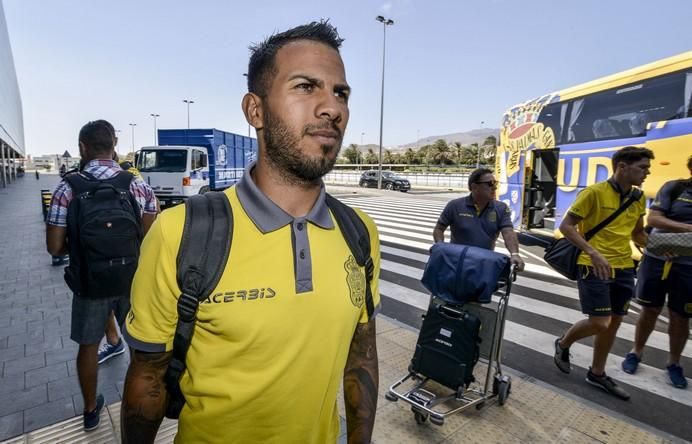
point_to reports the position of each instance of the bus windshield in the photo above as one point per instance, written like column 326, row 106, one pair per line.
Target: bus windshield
column 162, row 161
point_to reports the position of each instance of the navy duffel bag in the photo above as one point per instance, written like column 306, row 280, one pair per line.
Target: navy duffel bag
column 461, row 273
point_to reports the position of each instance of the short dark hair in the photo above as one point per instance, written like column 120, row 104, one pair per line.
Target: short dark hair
column 98, row 136
column 631, row 154
column 476, row 175
column 263, row 55
column 689, row 163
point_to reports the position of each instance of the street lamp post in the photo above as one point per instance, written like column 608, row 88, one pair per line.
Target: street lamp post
column 385, row 22
column 155, row 138
column 188, row 102
column 133, row 125
column 358, row 152
column 478, row 160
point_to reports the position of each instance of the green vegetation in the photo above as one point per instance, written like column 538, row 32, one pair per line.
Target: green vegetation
column 439, row 157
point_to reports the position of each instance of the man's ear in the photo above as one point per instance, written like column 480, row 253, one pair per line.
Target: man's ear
column 82, row 150
column 252, row 108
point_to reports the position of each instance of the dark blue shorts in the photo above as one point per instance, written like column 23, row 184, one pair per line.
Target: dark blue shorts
column 90, row 315
column 652, row 291
column 607, row 297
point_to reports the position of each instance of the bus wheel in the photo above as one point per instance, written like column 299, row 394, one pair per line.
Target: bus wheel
column 204, row 189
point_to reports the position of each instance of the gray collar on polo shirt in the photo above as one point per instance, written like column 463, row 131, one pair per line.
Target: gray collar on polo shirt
column 268, row 217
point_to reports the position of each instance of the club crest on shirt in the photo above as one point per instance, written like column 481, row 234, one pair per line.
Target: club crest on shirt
column 355, row 278
column 492, row 216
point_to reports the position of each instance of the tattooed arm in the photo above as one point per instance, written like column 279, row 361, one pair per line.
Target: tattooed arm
column 145, row 398
column 360, row 384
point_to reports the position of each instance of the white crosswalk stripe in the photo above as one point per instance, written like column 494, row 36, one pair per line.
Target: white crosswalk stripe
column 404, row 223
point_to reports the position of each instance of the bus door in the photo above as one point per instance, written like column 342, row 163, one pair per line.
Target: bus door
column 540, row 187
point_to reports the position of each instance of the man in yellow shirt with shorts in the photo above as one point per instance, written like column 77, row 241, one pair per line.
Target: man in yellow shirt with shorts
column 287, row 321
column 606, row 269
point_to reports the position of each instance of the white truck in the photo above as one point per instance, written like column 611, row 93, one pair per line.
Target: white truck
column 189, row 162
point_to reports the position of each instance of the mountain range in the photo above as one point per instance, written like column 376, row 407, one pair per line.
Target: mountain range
column 465, row 138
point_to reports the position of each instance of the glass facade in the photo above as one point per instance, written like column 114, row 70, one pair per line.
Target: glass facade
column 11, row 121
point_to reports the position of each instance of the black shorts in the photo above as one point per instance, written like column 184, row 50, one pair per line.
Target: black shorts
column 90, row 315
column 601, row 297
column 651, row 290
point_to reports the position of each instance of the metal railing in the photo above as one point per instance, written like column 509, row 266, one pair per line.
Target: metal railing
column 431, row 180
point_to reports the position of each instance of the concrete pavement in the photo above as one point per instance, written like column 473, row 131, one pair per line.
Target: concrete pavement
column 39, row 393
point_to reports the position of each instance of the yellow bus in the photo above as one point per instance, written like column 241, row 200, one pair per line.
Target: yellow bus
column 553, row 146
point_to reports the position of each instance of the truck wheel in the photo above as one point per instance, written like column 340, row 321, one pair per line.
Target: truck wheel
column 203, row 190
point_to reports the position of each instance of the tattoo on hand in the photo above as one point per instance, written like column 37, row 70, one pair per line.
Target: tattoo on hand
column 361, row 382
column 145, row 397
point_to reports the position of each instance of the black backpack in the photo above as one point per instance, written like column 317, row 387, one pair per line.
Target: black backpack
column 104, row 232
column 204, row 249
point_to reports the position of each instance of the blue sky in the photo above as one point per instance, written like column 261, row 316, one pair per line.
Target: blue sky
column 450, row 64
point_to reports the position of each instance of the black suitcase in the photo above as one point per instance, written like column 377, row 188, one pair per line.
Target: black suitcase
column 448, row 346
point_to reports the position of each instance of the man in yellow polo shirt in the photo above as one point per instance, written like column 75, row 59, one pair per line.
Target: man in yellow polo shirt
column 606, row 278
column 287, row 321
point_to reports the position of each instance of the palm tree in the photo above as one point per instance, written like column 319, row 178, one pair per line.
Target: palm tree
column 440, row 152
column 458, row 150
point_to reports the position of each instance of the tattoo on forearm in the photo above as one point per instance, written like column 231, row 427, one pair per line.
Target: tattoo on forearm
column 360, row 384
column 145, row 397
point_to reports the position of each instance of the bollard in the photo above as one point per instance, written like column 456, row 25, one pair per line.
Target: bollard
column 46, row 196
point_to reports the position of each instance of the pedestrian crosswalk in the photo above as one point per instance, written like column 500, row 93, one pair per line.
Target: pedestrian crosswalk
column 542, row 303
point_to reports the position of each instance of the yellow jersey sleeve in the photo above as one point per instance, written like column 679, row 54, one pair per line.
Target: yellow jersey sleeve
column 150, row 324
column 375, row 254
column 583, row 203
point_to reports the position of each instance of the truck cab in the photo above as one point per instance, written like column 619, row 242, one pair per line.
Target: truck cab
column 174, row 172
column 194, row 161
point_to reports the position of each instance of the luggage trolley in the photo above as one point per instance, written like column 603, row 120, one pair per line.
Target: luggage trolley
column 424, row 385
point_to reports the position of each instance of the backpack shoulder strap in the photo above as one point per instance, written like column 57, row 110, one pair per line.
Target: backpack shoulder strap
column 78, row 183
column 635, row 195
column 122, row 180
column 202, row 256
column 358, row 239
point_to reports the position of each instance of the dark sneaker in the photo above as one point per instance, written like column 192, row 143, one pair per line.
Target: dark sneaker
column 561, row 357
column 631, row 362
column 92, row 419
column 60, row 260
column 606, row 383
column 108, row 351
column 676, row 377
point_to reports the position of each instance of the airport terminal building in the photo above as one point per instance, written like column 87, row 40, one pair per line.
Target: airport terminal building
column 12, row 147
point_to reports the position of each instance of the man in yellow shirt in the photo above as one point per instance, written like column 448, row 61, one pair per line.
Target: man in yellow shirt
column 287, row 321
column 606, row 269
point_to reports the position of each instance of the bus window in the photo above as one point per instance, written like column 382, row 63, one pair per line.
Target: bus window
column 688, row 95
column 624, row 112
column 553, row 117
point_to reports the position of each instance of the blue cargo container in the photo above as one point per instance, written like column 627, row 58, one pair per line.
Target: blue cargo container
column 228, row 153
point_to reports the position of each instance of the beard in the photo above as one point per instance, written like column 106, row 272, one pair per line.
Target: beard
column 285, row 154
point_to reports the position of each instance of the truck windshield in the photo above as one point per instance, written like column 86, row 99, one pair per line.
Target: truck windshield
column 163, row 161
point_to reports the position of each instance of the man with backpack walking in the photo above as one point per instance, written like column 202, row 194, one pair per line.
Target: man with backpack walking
column 99, row 216
column 290, row 310
column 660, row 276
column 606, row 269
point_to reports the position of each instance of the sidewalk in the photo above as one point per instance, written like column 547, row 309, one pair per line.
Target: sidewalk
column 40, row 394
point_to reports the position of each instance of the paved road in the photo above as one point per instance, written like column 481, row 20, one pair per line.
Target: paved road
column 38, row 384
column 542, row 305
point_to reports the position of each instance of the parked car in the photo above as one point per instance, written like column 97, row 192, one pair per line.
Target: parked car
column 390, row 181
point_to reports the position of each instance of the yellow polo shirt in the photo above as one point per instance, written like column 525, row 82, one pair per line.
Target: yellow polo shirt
column 593, row 205
column 270, row 344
